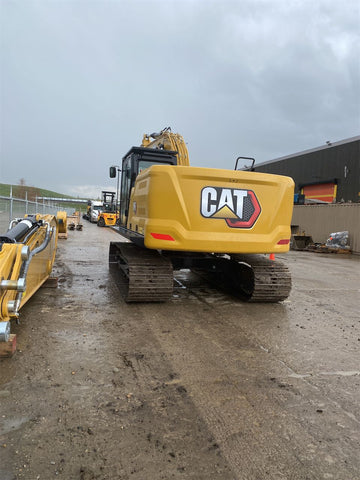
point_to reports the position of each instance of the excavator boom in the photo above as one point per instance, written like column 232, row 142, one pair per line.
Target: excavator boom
column 166, row 140
column 27, row 254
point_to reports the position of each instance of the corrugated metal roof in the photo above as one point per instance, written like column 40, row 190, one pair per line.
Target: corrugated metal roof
column 304, row 152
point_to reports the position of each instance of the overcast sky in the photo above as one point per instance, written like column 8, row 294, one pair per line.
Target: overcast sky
column 82, row 80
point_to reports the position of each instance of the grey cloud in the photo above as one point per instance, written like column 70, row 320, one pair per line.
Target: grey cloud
column 82, row 81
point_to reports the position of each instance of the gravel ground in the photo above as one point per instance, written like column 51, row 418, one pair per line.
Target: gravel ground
column 202, row 387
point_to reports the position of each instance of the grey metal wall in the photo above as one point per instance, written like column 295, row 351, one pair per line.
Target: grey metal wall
column 321, row 220
column 339, row 162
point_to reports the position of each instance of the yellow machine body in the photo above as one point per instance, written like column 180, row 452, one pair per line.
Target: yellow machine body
column 62, row 221
column 109, row 219
column 209, row 220
column 26, row 264
column 211, row 210
column 107, row 216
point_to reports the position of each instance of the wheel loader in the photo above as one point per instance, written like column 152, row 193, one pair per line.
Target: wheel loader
column 27, row 254
column 220, row 223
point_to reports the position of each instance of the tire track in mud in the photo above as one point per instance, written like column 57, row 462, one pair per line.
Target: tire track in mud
column 103, row 400
column 245, row 396
column 198, row 388
column 165, row 415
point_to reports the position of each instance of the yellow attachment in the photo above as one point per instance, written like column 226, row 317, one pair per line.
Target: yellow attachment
column 22, row 270
column 212, row 210
column 166, row 140
column 62, row 221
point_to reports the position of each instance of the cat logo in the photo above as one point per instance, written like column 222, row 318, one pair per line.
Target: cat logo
column 239, row 208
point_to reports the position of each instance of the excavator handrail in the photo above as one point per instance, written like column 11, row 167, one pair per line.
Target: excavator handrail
column 246, row 158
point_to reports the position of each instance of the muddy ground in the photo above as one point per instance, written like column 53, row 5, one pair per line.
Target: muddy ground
column 203, row 387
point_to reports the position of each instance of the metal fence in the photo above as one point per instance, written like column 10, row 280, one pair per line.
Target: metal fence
column 12, row 207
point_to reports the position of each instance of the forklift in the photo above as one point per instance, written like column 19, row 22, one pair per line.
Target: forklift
column 108, row 216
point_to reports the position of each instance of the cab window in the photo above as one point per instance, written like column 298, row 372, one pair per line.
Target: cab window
column 143, row 164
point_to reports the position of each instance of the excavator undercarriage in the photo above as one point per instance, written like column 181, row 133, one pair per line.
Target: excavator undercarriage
column 148, row 274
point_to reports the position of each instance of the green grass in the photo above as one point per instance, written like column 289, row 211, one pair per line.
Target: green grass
column 41, row 192
column 5, row 191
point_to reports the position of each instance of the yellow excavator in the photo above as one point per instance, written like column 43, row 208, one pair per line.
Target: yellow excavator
column 27, row 254
column 214, row 221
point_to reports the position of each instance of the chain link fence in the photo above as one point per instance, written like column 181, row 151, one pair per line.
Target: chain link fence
column 12, row 207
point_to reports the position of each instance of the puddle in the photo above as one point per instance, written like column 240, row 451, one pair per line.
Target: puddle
column 11, row 424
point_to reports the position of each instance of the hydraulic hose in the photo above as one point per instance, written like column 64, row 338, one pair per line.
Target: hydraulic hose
column 13, row 306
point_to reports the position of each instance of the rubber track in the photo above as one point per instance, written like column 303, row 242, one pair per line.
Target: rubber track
column 272, row 279
column 149, row 275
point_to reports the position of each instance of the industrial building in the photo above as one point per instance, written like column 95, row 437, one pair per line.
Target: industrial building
column 326, row 174
column 327, row 179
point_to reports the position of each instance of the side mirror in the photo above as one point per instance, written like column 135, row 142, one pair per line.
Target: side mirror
column 112, row 172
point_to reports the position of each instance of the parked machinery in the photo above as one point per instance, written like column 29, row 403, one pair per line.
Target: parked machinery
column 214, row 221
column 27, row 254
column 108, row 215
column 96, row 207
column 86, row 215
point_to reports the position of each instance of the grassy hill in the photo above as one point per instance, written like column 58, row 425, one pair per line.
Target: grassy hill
column 39, row 192
column 5, row 191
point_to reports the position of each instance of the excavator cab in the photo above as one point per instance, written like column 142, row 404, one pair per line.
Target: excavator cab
column 134, row 162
